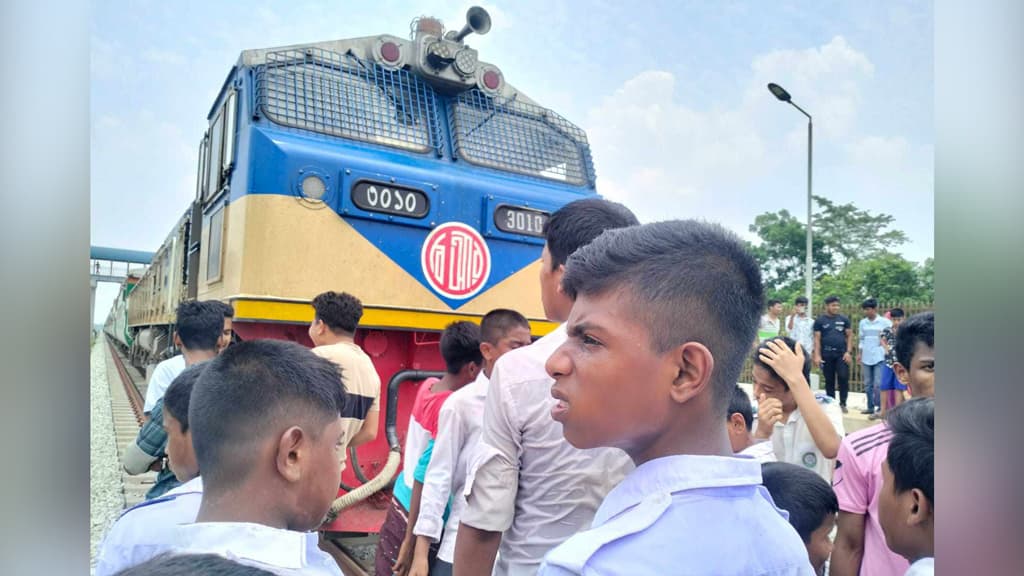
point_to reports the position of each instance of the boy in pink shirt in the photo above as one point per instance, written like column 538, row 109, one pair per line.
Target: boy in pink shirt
column 860, row 546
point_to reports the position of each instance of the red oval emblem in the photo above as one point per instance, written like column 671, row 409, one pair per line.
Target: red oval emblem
column 455, row 260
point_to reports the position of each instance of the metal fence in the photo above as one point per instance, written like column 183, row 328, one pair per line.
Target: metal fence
column 854, row 313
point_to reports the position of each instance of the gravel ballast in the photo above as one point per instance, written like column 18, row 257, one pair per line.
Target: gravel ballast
column 106, row 493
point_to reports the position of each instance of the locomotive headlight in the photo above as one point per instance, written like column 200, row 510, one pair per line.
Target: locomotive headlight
column 313, row 187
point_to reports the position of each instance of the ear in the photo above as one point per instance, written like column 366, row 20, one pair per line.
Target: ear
column 487, row 350
column 177, row 340
column 902, row 375
column 291, row 453
column 558, row 274
column 921, row 511
column 737, row 425
column 693, row 364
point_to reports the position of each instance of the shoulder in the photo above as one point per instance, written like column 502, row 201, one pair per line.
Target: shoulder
column 585, row 547
column 172, row 364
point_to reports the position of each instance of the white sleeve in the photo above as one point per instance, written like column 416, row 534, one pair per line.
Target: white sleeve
column 437, row 486
column 158, row 384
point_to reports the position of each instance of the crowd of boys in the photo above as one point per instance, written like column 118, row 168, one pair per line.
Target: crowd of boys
column 598, row 449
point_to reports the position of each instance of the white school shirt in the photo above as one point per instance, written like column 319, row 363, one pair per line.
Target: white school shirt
column 922, row 567
column 793, row 443
column 458, row 433
column 145, row 530
column 529, row 482
column 762, row 451
column 686, row 515
column 164, row 373
column 283, row 552
column 802, row 332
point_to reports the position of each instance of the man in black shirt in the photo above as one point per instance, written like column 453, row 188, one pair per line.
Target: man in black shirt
column 833, row 349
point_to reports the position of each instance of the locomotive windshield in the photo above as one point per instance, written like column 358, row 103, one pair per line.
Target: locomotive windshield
column 342, row 95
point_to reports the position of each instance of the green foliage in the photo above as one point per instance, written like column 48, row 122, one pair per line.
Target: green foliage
column 852, row 256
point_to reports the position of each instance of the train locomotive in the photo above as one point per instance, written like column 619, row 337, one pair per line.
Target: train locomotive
column 405, row 171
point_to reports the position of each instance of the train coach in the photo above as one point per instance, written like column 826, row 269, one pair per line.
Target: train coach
column 405, row 171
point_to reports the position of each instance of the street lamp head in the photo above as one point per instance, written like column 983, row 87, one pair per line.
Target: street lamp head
column 779, row 92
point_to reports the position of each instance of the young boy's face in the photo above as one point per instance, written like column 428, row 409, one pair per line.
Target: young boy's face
column 870, row 313
column 612, row 388
column 767, row 383
column 180, row 455
column 820, row 547
column 832, row 308
column 920, row 375
column 776, row 308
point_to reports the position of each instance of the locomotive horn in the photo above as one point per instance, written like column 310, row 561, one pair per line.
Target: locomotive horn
column 477, row 20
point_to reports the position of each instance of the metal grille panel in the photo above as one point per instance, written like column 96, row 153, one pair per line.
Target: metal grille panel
column 519, row 137
column 341, row 95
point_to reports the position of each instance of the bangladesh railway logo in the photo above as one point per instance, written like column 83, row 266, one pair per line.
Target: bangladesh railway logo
column 455, row 260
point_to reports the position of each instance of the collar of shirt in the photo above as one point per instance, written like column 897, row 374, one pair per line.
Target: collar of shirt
column 248, row 542
column 194, row 485
column 672, row 474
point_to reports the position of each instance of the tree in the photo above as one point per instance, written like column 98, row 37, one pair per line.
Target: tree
column 843, row 233
column 926, row 276
column 887, row 277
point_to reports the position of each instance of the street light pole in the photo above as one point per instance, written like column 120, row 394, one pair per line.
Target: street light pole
column 780, row 93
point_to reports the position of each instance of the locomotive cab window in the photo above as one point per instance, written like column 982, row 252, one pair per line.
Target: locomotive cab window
column 221, row 147
column 214, row 244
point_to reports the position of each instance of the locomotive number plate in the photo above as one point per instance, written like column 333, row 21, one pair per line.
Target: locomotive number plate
column 390, row 199
column 519, row 220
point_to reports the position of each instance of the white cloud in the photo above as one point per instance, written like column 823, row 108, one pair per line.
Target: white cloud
column 735, row 160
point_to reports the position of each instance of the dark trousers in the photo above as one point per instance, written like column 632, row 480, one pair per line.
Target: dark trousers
column 835, row 369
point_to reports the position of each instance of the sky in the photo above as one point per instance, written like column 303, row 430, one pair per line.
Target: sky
column 672, row 96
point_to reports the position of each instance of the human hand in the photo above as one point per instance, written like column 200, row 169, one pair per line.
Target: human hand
column 789, row 365
column 419, row 566
column 404, row 559
column 847, row 358
column 769, row 411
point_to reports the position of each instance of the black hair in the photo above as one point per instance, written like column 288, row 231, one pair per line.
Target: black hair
column 740, row 403
column 831, row 299
column 773, row 302
column 869, row 303
column 687, row 281
column 807, row 497
column 229, row 310
column 341, row 312
column 497, row 323
column 170, row 564
column 577, row 224
column 917, row 328
column 460, row 345
column 199, row 324
column 253, row 390
column 178, row 394
column 800, row 300
column 756, row 357
column 897, row 313
column 911, row 455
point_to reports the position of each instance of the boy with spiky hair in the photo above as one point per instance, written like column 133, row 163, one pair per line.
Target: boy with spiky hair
column 336, row 317
column 663, row 317
column 460, row 348
column 860, row 542
column 811, row 505
column 458, row 434
column 266, row 427
column 906, row 507
column 517, row 509
column 141, row 531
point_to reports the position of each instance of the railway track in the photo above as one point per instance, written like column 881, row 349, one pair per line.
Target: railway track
column 127, row 387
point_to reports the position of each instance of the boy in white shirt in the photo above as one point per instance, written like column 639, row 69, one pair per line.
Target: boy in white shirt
column 268, row 436
column 144, row 530
column 805, row 428
column 458, row 433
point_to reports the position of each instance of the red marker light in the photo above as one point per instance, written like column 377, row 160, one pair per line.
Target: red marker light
column 491, row 80
column 390, row 52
